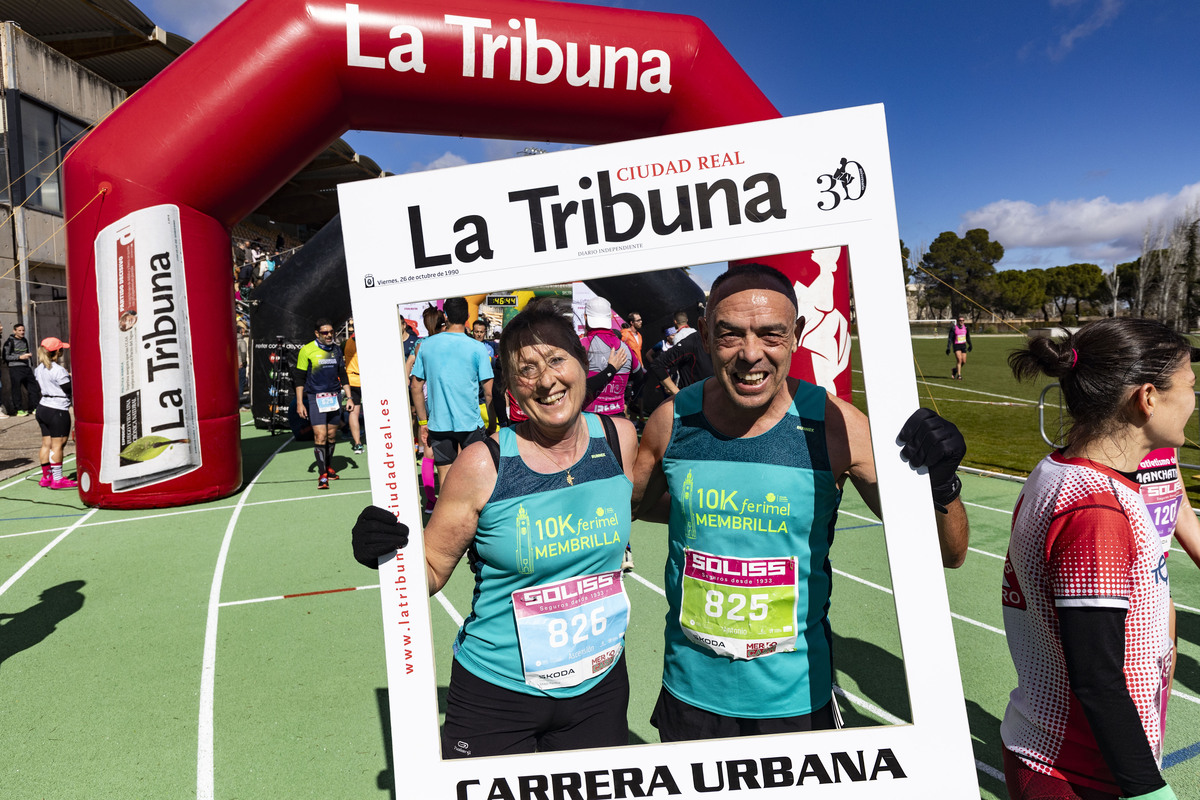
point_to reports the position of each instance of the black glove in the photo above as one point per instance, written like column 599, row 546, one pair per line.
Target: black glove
column 376, row 533
column 934, row 442
column 969, row 348
column 947, row 351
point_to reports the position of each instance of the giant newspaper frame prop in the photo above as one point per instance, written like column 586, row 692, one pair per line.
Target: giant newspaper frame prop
column 801, row 183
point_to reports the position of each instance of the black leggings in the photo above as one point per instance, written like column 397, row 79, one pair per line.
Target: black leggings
column 483, row 719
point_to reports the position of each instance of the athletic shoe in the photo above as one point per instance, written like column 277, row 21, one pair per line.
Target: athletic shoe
column 627, row 561
column 954, row 373
column 46, row 481
column 333, row 476
column 323, row 483
column 63, row 483
column 357, row 449
column 3, row 414
column 23, row 413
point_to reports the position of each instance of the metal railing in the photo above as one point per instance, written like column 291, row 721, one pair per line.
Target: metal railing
column 1062, row 416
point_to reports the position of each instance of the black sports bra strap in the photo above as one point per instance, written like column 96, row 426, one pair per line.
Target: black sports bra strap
column 493, row 447
column 614, row 440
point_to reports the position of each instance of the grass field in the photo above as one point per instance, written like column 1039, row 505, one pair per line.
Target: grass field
column 233, row 649
column 998, row 415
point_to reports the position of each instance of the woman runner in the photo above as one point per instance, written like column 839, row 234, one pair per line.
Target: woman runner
column 1085, row 594
column 542, row 512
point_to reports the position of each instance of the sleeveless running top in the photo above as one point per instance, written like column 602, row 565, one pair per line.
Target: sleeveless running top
column 748, row 576
column 535, row 532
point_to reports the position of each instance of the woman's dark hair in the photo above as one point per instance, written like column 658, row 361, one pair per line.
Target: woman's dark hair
column 1098, row 365
column 538, row 324
column 433, row 318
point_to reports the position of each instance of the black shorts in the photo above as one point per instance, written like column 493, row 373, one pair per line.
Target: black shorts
column 317, row 417
column 483, row 719
column 678, row 721
column 960, row 348
column 447, row 444
column 356, row 395
column 54, row 422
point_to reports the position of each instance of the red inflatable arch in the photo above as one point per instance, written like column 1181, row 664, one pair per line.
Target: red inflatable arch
column 153, row 192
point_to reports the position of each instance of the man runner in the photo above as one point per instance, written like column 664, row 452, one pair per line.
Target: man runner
column 320, row 380
column 754, row 463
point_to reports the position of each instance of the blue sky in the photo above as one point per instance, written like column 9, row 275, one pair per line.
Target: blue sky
column 1064, row 127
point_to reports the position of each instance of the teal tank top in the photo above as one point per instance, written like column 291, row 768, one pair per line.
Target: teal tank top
column 748, row 576
column 556, row 544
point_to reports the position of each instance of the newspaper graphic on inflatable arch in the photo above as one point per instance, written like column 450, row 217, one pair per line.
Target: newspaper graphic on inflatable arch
column 149, row 386
column 780, row 186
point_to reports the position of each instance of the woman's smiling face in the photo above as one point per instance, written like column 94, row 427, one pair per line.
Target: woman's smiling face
column 549, row 385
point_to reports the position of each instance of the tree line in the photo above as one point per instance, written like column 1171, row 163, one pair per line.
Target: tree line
column 1163, row 283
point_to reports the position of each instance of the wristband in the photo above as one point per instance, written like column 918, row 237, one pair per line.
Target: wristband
column 946, row 494
column 422, row 422
column 1165, row 793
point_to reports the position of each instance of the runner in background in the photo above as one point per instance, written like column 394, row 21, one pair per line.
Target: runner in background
column 959, row 340
column 601, row 341
column 1169, row 507
column 320, row 380
column 53, row 414
column 453, row 368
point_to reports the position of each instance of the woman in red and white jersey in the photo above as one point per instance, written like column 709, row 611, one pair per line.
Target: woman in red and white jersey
column 1086, row 595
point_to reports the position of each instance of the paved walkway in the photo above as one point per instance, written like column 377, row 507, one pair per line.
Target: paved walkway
column 20, row 438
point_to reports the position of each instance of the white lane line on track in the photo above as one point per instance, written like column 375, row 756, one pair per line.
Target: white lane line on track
column 1015, row 400
column 989, row 770
column 293, row 596
column 868, row 706
column 323, row 496
column 651, row 586
column 208, row 671
column 988, row 508
column 450, row 609
column 955, row 388
column 26, row 475
column 41, row 553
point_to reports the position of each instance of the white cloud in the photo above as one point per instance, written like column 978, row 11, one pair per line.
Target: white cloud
column 446, row 159
column 1105, row 12
column 187, row 17
column 1096, row 230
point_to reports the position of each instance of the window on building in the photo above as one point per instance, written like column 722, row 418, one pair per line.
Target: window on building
column 46, row 136
column 4, row 195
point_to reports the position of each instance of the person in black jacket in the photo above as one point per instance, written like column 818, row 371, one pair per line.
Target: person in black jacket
column 688, row 361
column 20, row 361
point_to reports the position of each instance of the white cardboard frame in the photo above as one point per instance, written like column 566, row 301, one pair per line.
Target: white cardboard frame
column 803, row 153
